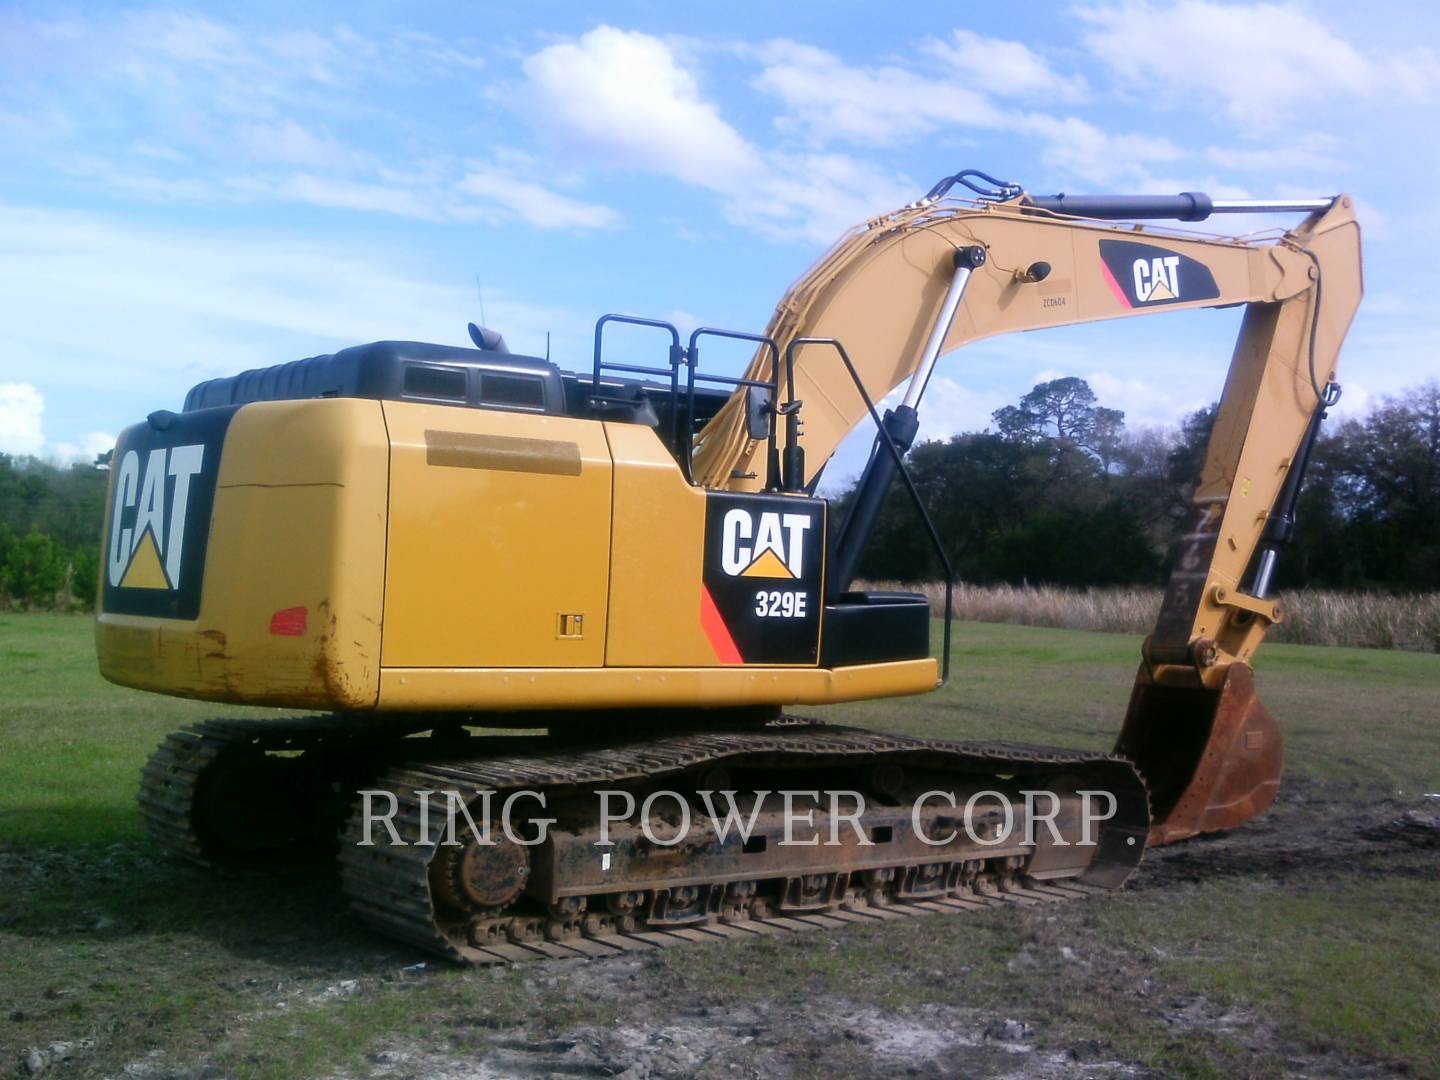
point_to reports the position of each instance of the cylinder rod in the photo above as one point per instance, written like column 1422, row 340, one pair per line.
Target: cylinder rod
column 1265, row 573
column 967, row 260
column 1269, row 206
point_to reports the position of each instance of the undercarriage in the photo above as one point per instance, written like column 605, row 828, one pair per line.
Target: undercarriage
column 490, row 849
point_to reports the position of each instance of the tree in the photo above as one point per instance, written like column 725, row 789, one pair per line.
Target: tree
column 85, row 575
column 1065, row 412
column 34, row 570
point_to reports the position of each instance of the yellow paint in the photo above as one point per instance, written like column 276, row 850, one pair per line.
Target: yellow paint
column 591, row 688
column 482, row 561
column 145, row 570
column 767, row 565
column 655, row 558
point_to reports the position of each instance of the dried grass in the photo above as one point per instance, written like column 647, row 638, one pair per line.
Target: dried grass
column 1368, row 620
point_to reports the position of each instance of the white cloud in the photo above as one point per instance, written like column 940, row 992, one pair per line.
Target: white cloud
column 1312, row 151
column 1261, row 61
column 287, row 142
column 209, row 111
column 91, row 445
column 622, row 97
column 1144, row 403
column 828, row 99
column 1081, row 149
column 22, row 411
column 952, row 408
column 625, row 100
column 338, row 193
column 1005, row 68
column 532, row 202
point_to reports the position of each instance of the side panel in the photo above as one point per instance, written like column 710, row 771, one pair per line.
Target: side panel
column 656, row 558
column 702, row 579
column 289, row 610
column 499, row 539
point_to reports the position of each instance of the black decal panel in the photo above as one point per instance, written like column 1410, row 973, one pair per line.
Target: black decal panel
column 1146, row 275
column 764, row 576
column 162, row 493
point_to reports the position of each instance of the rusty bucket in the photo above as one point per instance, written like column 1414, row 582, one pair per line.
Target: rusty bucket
column 1211, row 757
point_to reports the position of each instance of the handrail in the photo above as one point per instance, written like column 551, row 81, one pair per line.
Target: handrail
column 677, row 358
column 772, row 454
column 904, row 475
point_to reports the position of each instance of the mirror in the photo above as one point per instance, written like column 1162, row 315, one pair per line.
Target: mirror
column 758, row 412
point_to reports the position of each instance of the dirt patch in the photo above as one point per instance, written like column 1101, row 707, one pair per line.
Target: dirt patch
column 1317, row 830
column 768, row 1040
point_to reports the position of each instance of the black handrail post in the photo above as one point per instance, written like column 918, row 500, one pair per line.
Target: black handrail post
column 794, row 464
column 899, row 459
column 772, row 464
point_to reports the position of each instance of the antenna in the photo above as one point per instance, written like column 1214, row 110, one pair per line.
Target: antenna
column 480, row 294
column 547, row 346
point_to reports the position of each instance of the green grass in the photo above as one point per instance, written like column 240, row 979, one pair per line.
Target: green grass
column 1349, row 965
column 71, row 744
column 99, row 939
column 1367, row 716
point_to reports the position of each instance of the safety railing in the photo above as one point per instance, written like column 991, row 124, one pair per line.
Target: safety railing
column 894, row 451
column 681, row 435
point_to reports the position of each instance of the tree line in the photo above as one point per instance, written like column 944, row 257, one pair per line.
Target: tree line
column 50, row 532
column 1057, row 491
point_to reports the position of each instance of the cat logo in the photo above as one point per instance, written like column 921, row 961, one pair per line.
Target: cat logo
column 1157, row 279
column 147, row 543
column 1141, row 275
column 769, row 544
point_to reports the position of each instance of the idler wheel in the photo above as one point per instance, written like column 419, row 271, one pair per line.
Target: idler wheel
column 482, row 877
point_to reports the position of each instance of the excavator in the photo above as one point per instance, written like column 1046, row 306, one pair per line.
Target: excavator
column 487, row 585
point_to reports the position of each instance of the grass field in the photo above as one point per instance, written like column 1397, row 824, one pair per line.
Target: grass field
column 1370, row 620
column 1302, row 944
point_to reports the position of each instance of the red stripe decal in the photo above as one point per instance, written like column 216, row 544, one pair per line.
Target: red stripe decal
column 1114, row 285
column 716, row 630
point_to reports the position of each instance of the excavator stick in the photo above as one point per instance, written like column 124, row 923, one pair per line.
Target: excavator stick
column 1211, row 757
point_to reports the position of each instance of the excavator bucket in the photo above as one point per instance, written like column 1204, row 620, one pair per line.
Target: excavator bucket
column 1211, row 757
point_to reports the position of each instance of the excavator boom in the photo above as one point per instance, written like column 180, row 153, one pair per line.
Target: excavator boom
column 907, row 287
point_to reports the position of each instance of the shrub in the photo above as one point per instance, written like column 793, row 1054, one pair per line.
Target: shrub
column 33, row 572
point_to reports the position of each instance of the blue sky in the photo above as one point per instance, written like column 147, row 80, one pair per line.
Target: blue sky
column 187, row 191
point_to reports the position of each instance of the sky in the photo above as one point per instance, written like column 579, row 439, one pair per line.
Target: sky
column 189, row 191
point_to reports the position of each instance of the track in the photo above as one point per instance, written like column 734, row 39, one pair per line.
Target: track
column 412, row 891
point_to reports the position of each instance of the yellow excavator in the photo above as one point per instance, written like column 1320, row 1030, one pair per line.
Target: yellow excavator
column 488, row 583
